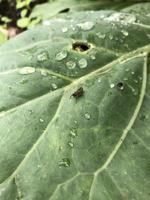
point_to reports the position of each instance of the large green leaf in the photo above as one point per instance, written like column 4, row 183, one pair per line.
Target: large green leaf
column 94, row 147
column 52, row 9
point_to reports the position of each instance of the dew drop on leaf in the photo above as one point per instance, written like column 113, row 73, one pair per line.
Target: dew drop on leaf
column 87, row 116
column 93, row 57
column 41, row 120
column 71, row 64
column 26, row 70
column 54, row 86
column 46, row 23
column 42, row 57
column 70, row 144
column 125, row 33
column 110, row 37
column 99, row 80
column 82, row 63
column 73, row 133
column 61, row 55
column 112, row 85
column 123, row 17
column 64, row 30
column 65, row 162
column 86, row 26
column 100, row 35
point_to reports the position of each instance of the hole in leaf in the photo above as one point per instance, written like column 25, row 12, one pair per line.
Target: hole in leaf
column 80, row 46
column 120, row 86
column 65, row 10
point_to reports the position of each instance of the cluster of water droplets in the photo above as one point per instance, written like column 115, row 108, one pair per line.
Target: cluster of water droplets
column 125, row 18
column 66, row 162
column 86, row 26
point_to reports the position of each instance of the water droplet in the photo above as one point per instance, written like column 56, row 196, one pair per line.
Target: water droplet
column 127, row 70
column 112, row 85
column 65, row 162
column 99, row 80
column 125, row 79
column 110, row 37
column 54, row 86
column 123, row 17
column 132, row 73
column 71, row 144
column 93, row 57
column 61, row 55
column 82, row 63
column 71, row 64
column 100, row 35
column 73, row 133
column 41, row 120
column 46, row 23
column 26, row 70
column 42, row 57
column 64, row 30
column 125, row 33
column 86, row 26
column 87, row 116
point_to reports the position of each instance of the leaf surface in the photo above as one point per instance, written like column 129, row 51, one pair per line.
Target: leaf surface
column 54, row 146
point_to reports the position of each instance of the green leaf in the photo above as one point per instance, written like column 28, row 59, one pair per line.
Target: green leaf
column 6, row 19
column 58, row 143
column 23, row 22
column 20, row 4
column 23, row 13
column 51, row 9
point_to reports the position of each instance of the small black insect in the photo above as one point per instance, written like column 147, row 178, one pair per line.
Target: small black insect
column 78, row 93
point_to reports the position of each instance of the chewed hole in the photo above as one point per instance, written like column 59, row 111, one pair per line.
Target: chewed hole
column 120, row 86
column 65, row 10
column 80, row 46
